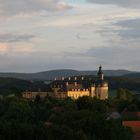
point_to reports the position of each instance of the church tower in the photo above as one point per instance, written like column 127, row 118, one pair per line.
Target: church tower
column 101, row 86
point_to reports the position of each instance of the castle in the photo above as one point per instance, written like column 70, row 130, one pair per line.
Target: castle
column 73, row 87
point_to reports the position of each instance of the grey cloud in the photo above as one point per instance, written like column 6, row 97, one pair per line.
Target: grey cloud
column 120, row 57
column 79, row 36
column 124, row 3
column 126, row 29
column 131, row 23
column 131, row 28
column 15, row 7
column 114, row 52
column 114, row 56
column 9, row 38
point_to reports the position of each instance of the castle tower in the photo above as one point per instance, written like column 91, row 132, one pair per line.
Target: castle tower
column 100, row 74
column 101, row 86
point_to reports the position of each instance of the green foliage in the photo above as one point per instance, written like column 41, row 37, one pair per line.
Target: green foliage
column 93, row 126
column 124, row 94
column 11, row 130
column 17, row 86
column 133, row 108
column 16, row 91
column 122, row 105
column 93, row 104
column 51, row 119
column 126, row 82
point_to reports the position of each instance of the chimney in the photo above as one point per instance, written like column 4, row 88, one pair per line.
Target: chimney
column 67, row 83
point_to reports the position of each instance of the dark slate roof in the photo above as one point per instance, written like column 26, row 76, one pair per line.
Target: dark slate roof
column 72, row 84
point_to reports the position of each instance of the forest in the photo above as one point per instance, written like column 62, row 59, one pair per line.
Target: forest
column 51, row 119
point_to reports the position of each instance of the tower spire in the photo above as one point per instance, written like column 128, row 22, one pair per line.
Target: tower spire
column 100, row 73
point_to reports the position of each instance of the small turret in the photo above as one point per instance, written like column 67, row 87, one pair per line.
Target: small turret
column 100, row 74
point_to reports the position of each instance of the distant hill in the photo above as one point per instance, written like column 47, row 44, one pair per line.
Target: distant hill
column 50, row 75
column 134, row 75
column 14, row 85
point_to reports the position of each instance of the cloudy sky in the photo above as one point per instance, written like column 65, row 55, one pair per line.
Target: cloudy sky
column 38, row 35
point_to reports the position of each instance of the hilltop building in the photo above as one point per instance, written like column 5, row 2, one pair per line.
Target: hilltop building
column 73, row 87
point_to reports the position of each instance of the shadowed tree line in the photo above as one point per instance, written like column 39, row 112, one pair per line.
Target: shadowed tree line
column 51, row 119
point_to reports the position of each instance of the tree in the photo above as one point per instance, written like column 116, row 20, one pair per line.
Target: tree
column 133, row 108
column 124, row 94
column 91, row 125
column 16, row 91
column 37, row 98
column 84, row 102
column 90, row 103
column 122, row 105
